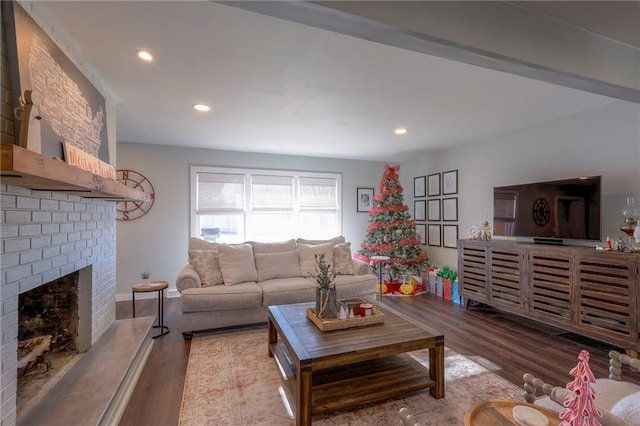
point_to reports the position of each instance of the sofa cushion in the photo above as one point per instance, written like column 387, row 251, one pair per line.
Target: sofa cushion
column 361, row 268
column 625, row 412
column 307, row 253
column 342, row 261
column 277, row 265
column 200, row 244
column 221, row 298
column 283, row 291
column 335, row 240
column 609, row 392
column 207, row 266
column 278, row 247
column 349, row 286
column 236, row 263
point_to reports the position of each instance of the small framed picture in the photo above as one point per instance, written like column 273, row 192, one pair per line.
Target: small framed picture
column 364, row 199
column 450, row 209
column 450, row 234
column 433, row 210
column 450, row 182
column 434, row 235
column 419, row 186
column 421, row 231
column 419, row 210
column 433, row 185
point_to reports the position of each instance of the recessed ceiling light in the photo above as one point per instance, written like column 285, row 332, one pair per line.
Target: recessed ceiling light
column 401, row 131
column 201, row 107
column 145, row 55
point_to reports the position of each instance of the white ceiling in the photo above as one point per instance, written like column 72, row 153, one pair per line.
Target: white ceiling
column 281, row 87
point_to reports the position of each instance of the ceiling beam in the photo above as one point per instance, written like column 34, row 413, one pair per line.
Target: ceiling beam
column 495, row 35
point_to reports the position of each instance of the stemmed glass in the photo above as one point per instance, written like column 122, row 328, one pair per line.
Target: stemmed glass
column 630, row 214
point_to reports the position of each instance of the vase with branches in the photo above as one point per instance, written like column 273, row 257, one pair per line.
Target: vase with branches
column 326, row 301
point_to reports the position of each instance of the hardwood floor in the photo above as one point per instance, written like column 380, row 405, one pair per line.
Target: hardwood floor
column 158, row 394
column 505, row 344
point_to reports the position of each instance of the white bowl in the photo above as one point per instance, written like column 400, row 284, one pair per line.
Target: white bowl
column 527, row 416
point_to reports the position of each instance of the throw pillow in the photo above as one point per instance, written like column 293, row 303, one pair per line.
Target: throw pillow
column 335, row 240
column 200, row 244
column 274, row 247
column 277, row 265
column 625, row 412
column 307, row 253
column 342, row 263
column 236, row 263
column 207, row 266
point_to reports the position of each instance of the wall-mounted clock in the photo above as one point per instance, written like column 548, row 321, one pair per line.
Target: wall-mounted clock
column 130, row 210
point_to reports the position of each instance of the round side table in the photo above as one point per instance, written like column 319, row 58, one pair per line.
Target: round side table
column 152, row 286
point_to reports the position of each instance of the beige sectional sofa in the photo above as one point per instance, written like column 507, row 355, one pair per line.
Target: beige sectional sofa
column 228, row 285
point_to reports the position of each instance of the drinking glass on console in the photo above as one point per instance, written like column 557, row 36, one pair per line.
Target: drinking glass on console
column 630, row 214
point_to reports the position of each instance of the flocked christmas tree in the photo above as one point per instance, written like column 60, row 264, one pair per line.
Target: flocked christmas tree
column 580, row 408
column 391, row 232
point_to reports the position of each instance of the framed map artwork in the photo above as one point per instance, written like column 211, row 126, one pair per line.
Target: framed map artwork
column 66, row 106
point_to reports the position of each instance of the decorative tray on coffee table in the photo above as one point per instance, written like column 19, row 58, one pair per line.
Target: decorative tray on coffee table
column 330, row 324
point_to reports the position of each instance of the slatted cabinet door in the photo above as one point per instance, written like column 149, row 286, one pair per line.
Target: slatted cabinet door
column 589, row 292
column 607, row 297
column 551, row 296
column 506, row 268
column 472, row 271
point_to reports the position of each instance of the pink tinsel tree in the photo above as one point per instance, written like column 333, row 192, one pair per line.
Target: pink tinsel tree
column 580, row 408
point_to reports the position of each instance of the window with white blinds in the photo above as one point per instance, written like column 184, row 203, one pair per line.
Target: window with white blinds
column 220, row 192
column 271, row 193
column 318, row 193
column 235, row 205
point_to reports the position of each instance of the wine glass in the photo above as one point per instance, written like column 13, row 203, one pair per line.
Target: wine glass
column 630, row 214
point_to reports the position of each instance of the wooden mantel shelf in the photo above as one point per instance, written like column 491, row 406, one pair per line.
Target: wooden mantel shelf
column 21, row 167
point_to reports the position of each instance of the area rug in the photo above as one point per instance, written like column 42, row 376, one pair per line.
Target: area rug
column 232, row 381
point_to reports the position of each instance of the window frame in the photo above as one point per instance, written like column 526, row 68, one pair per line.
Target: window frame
column 248, row 172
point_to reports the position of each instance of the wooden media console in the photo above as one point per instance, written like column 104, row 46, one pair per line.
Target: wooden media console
column 586, row 291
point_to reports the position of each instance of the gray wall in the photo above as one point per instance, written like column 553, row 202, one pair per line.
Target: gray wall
column 158, row 241
column 603, row 141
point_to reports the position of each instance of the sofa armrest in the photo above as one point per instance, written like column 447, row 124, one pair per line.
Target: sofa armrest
column 188, row 278
column 360, row 267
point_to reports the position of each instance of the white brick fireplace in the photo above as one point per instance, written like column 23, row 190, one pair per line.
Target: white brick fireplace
column 46, row 235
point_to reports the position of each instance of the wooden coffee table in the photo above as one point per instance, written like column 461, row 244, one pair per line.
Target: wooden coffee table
column 334, row 370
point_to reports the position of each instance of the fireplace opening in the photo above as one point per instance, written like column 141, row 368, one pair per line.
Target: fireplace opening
column 48, row 321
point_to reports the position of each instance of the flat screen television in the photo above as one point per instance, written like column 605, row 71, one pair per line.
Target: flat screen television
column 555, row 210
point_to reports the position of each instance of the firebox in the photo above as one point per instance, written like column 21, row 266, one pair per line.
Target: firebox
column 47, row 323
column 52, row 324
